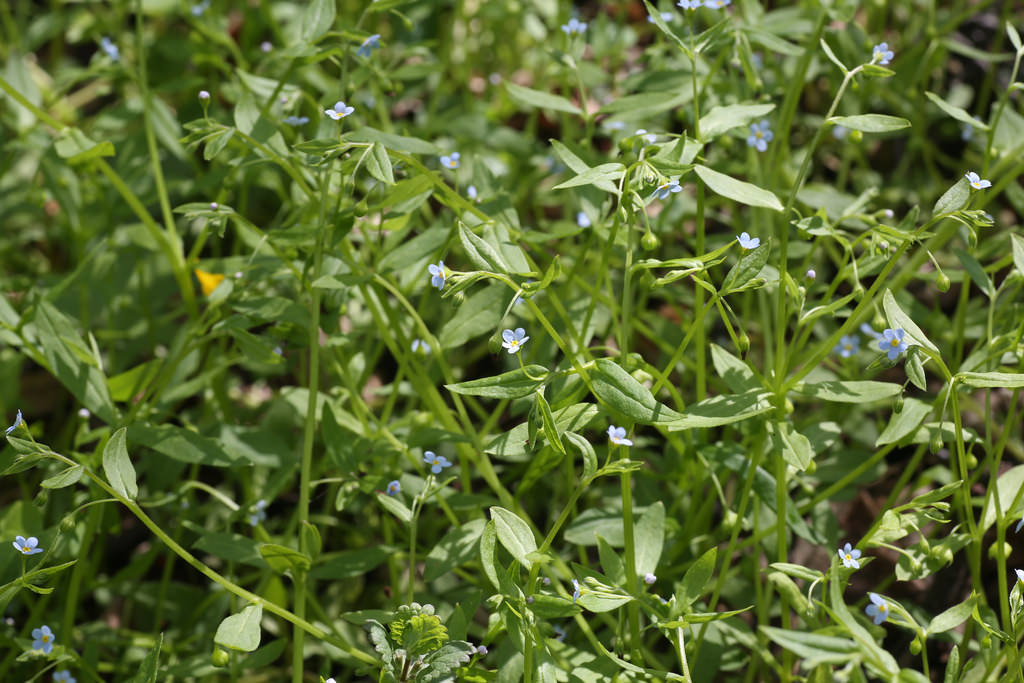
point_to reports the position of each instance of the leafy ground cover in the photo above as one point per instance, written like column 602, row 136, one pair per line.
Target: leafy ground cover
column 492, row 341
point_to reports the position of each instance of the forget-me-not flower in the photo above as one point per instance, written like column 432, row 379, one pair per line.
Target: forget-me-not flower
column 810, row 274
column 42, row 639
column 296, row 120
column 840, row 132
column 394, row 487
column 266, row 46
column 27, row 546
column 717, row 4
column 893, row 342
column 340, row 110
column 650, row 578
column 878, row 609
column 617, row 435
column 438, row 274
column 369, row 45
column 690, row 4
column 107, row 45
column 436, row 462
column 451, row 160
column 64, row 676
column 513, row 340
column 665, row 16
column 574, row 26
column 848, row 345
column 647, row 137
column 582, row 219
column 977, row 182
column 870, row 331
column 17, row 421
column 748, row 242
column 200, row 9
column 259, row 514
column 472, row 193
column 204, row 95
column 760, row 135
column 849, row 556
column 665, row 189
column 575, row 590
column 614, row 125
column 1020, row 574
column 420, row 345
column 881, row 54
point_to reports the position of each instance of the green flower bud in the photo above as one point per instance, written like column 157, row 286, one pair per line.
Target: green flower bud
column 729, row 520
column 67, row 525
column 935, row 445
column 972, row 461
column 812, row 467
column 986, row 642
column 649, row 241
column 219, row 657
column 856, row 135
column 915, row 647
column 942, row 282
column 789, row 407
column 943, row 554
column 897, row 406
column 744, row 342
column 993, row 551
column 362, row 208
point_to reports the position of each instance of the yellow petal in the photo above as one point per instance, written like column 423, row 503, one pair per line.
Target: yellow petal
column 208, row 281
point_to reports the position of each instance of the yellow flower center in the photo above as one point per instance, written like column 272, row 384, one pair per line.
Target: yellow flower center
column 758, row 135
column 45, row 638
column 848, row 556
column 895, row 342
column 848, row 346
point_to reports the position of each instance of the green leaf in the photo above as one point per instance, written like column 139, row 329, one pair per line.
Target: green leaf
column 1008, row 485
column 904, row 423
column 317, row 19
column 983, row 380
column 241, row 631
column 899, row 319
column 956, row 112
column 855, row 391
column 118, row 466
column 1014, row 37
column 746, row 269
column 871, row 123
column 514, row 534
column 512, row 445
column 150, row 664
column 617, row 388
column 798, row 571
column 650, row 538
column 723, row 119
column 350, row 563
column 68, row 477
column 611, row 564
column 871, row 650
column 282, row 559
column 832, row 56
column 914, row 367
column 395, row 507
column 743, row 192
column 487, row 553
column 977, row 273
column 812, row 647
column 952, row 617
column 705, row 617
column 479, row 313
column 458, row 547
column 584, row 446
column 1017, row 247
column 696, row 580
column 379, row 164
column 733, row 371
column 954, row 199
column 551, row 430
column 541, row 100
column 592, row 601
column 794, row 446
column 602, row 177
column 77, row 148
column 483, row 255
column 442, row 662
column 722, row 410
column 648, row 102
column 512, row 384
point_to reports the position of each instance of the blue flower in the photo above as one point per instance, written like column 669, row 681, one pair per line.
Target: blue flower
column 451, row 161
column 647, row 137
column 665, row 189
column 514, row 340
column 849, row 556
column 848, row 345
column 717, row 4
column 690, row 4
column 582, row 219
column 840, row 132
column 892, row 342
column 439, row 274
column 614, row 125
column 575, row 590
column 574, row 26
column 976, row 182
column 64, row 676
column 340, row 111
column 878, row 609
column 260, row 512
column 296, row 120
column 481, row 650
column 650, row 578
column 1019, row 525
column 108, row 46
column 394, row 487
column 204, row 95
column 266, row 46
column 617, row 435
column 748, row 242
column 870, row 331
column 198, row 10
column 27, row 546
column 760, row 135
column 559, row 632
column 881, row 54
column 665, row 16
column 966, row 132
column 472, row 193
column 17, row 421
column 1020, row 575
column 436, row 462
column 42, row 639
column 369, row 45
column 420, row 345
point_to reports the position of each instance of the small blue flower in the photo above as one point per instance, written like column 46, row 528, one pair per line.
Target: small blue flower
column 1019, row 525
column 614, row 125
column 472, row 193
column 64, row 676
column 892, row 342
column 849, row 556
column 200, row 9
column 451, row 161
column 420, row 345
column 27, row 546
column 881, row 54
column 748, row 242
column 717, row 4
column 1020, row 575
column 559, row 632
column 617, row 435
column 760, row 135
column 296, row 120
column 108, row 47
column 42, row 639
column 690, row 4
column 976, row 182
column 667, row 17
column 647, row 137
column 17, row 421
column 650, row 578
column 514, row 340
column 870, row 331
column 340, row 111
column 266, row 46
column 878, row 609
column 481, row 650
column 848, row 345
column 576, row 590
column 259, row 514
column 840, row 132
column 436, row 462
column 369, row 45
column 582, row 219
column 204, row 95
column 574, row 26
column 665, row 189
column 966, row 132
column 439, row 274
column 394, row 487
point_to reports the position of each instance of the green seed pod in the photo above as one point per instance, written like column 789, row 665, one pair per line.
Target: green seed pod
column 729, row 520
column 67, row 525
column 362, row 208
column 856, row 135
column 935, row 445
column 812, row 467
column 915, row 647
column 744, row 342
column 942, row 282
column 879, row 322
column 972, row 461
column 219, row 657
column 986, row 642
column 897, row 406
column 993, row 551
column 649, row 241
column 41, row 498
column 943, row 554
column 789, row 407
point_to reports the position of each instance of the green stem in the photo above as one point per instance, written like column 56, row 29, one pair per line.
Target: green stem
column 629, row 558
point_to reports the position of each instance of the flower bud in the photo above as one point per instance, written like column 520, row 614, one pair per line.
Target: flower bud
column 744, row 342
column 789, row 407
column 942, row 282
column 935, row 445
column 993, row 551
column 361, row 208
column 986, row 642
column 67, row 525
column 812, row 467
column 856, row 135
column 972, row 461
column 204, row 95
column 219, row 657
column 943, row 554
column 897, row 406
column 729, row 520
column 915, row 647
column 649, row 241
column 810, row 274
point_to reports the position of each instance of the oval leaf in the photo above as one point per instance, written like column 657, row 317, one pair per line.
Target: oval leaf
column 514, row 534
column 241, row 631
column 512, row 384
column 118, row 466
column 620, row 391
column 743, row 192
column 871, row 123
